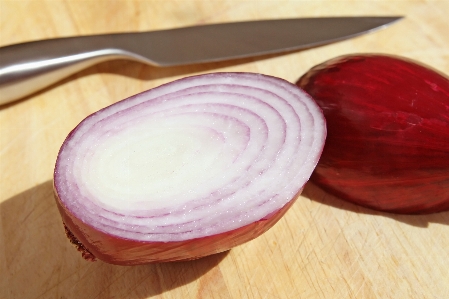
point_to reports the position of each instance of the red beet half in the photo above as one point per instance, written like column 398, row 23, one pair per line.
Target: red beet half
column 388, row 132
column 187, row 169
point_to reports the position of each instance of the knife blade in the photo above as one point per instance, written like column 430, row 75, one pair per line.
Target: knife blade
column 28, row 67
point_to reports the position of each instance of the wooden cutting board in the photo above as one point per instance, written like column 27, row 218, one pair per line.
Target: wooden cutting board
column 323, row 247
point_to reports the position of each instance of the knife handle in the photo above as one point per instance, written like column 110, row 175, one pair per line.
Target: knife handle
column 28, row 67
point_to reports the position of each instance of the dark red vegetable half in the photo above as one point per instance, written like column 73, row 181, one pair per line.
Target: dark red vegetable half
column 388, row 132
column 187, row 169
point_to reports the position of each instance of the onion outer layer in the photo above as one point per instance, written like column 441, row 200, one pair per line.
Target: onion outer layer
column 121, row 251
column 284, row 131
column 387, row 146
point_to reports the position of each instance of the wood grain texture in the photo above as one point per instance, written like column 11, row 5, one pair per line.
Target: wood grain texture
column 322, row 248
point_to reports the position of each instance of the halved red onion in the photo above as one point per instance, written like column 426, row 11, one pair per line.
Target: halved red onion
column 187, row 169
column 388, row 132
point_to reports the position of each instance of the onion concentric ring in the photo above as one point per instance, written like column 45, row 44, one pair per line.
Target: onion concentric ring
column 202, row 158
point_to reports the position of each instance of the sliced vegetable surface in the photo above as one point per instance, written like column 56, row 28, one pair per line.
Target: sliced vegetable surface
column 187, row 169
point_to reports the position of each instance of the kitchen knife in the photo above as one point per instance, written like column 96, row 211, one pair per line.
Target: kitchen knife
column 28, row 67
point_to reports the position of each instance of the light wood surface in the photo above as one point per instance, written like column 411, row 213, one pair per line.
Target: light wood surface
column 322, row 248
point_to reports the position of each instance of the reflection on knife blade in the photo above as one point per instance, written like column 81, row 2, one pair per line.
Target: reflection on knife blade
column 28, row 67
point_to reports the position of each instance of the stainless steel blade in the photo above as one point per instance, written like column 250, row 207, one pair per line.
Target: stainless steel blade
column 246, row 39
column 28, row 67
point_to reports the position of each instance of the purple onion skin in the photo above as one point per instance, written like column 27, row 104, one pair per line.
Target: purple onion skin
column 95, row 244
column 387, row 146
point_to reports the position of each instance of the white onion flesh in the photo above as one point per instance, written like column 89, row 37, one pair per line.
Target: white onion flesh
column 193, row 158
